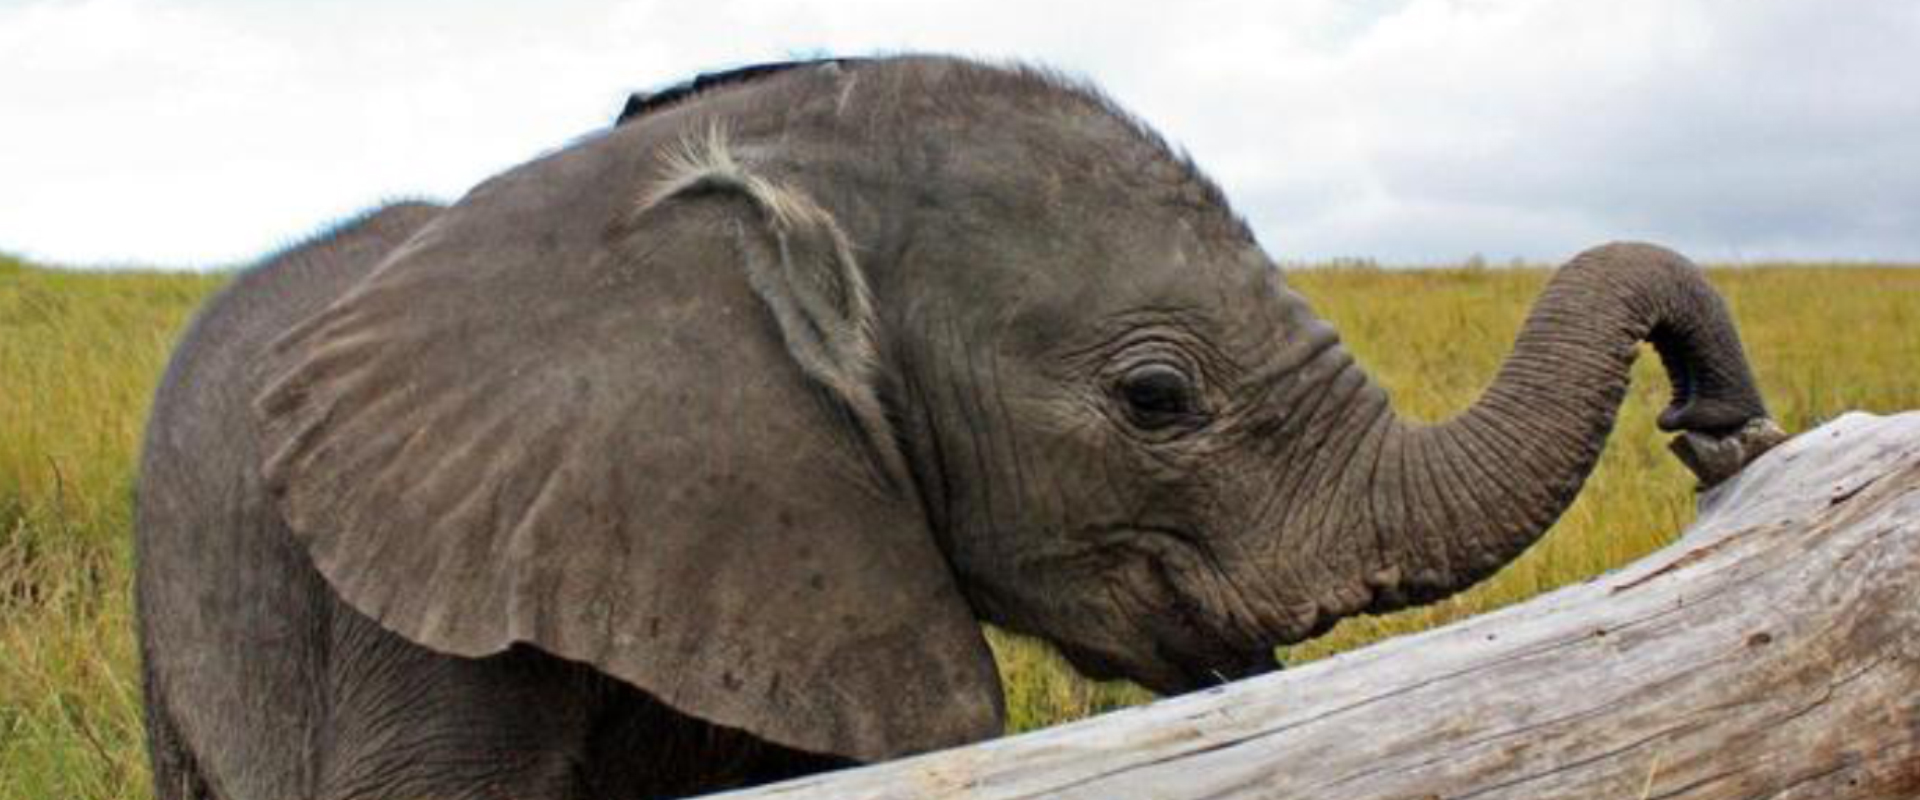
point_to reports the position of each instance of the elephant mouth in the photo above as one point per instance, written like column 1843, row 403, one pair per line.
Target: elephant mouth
column 1173, row 643
column 1183, row 657
column 1193, row 644
column 1208, row 672
column 1203, row 658
column 1172, row 673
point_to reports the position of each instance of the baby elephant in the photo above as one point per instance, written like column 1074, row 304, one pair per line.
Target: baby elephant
column 693, row 455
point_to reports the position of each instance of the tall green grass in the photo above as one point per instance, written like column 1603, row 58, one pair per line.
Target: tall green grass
column 79, row 355
column 80, row 352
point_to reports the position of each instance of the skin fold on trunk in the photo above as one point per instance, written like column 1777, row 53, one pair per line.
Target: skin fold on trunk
column 1451, row 503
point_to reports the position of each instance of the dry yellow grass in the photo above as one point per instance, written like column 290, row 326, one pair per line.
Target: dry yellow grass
column 79, row 354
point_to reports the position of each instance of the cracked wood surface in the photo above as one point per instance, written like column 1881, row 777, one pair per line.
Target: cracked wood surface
column 1772, row 652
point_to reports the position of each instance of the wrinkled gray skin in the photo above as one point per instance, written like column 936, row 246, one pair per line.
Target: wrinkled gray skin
column 626, row 476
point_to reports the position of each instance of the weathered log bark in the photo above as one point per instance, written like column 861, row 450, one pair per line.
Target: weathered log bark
column 1774, row 651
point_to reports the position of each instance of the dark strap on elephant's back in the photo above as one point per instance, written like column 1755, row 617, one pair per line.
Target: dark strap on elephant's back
column 643, row 103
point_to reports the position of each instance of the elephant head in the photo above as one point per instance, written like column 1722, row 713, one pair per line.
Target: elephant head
column 760, row 400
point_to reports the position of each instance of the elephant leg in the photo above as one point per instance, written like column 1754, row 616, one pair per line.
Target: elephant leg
column 409, row 722
column 176, row 774
column 642, row 748
column 403, row 721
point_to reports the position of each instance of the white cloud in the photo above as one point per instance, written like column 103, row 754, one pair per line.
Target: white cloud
column 203, row 132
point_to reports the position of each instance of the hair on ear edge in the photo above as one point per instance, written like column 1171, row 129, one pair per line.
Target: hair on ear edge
column 704, row 160
column 825, row 310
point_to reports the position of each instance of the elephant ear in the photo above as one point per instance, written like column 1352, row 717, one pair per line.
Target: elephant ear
column 645, row 439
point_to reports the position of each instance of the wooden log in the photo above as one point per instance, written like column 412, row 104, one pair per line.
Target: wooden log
column 1774, row 651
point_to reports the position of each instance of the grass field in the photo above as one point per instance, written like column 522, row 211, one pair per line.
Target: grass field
column 79, row 354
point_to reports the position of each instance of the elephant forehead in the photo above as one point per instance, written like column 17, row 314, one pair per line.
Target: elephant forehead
column 1138, row 284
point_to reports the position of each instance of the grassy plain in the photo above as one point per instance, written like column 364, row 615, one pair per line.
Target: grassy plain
column 80, row 352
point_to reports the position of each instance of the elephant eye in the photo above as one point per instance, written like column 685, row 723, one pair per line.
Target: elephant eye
column 1158, row 396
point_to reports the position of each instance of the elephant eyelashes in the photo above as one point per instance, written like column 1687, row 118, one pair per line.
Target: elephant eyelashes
column 1159, row 396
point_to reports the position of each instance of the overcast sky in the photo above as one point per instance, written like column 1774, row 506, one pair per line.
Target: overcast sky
column 207, row 132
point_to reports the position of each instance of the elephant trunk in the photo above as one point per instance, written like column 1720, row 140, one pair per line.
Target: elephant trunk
column 1451, row 503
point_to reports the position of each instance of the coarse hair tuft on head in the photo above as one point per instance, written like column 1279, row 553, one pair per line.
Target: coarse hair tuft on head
column 704, row 160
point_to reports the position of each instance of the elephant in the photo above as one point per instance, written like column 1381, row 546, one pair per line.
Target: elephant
column 695, row 454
